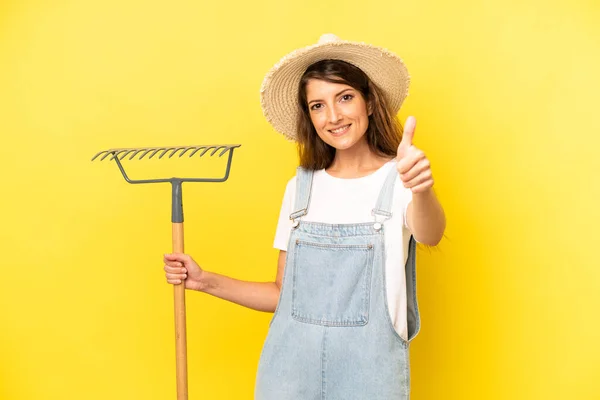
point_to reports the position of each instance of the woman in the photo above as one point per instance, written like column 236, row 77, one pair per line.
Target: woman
column 344, row 295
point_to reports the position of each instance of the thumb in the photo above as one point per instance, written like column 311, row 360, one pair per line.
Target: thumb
column 407, row 135
column 176, row 257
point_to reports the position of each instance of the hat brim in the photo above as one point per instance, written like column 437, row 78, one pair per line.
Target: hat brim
column 279, row 90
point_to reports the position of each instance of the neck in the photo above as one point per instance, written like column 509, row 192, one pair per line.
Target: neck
column 356, row 161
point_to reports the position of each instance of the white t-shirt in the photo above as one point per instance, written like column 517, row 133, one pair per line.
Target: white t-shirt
column 345, row 201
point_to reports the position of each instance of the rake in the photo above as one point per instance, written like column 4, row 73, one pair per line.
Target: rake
column 177, row 221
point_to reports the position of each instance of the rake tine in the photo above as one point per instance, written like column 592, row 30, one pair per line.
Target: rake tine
column 145, row 152
column 135, row 153
column 156, row 151
column 205, row 150
column 175, row 151
column 217, row 148
column 108, row 152
column 196, row 149
column 97, row 154
column 126, row 153
column 172, row 150
column 225, row 150
column 116, row 154
column 163, row 153
column 186, row 149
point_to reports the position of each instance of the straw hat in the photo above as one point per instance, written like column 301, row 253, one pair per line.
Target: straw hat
column 279, row 90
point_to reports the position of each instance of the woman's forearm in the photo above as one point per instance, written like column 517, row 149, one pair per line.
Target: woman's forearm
column 426, row 218
column 261, row 296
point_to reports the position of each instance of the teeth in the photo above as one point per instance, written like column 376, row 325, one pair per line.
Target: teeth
column 339, row 130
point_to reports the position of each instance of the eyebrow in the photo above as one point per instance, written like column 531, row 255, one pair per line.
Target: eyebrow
column 338, row 94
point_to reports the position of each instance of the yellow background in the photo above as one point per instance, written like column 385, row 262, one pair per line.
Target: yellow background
column 506, row 99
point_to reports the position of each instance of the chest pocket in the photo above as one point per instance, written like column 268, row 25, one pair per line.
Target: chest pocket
column 332, row 283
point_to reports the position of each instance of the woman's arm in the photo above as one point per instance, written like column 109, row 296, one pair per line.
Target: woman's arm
column 261, row 296
column 424, row 215
column 425, row 218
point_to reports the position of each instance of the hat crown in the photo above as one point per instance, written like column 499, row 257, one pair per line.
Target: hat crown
column 328, row 38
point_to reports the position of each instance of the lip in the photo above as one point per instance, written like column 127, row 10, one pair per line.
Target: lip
column 346, row 127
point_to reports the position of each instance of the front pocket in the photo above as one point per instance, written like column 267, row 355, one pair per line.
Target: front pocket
column 332, row 283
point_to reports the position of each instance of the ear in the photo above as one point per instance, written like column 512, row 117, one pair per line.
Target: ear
column 370, row 108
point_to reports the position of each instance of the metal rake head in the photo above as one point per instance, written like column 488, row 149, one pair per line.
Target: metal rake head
column 121, row 153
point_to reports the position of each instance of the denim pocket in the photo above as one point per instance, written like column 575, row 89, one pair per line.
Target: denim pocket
column 332, row 283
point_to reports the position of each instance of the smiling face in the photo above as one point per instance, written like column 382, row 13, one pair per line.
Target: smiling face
column 339, row 113
column 341, row 95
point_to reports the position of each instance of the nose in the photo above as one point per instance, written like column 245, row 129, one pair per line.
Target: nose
column 334, row 115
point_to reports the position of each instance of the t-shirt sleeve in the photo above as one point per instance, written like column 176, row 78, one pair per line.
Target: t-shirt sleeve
column 284, row 225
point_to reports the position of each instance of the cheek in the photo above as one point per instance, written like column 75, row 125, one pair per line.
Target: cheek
column 362, row 121
column 317, row 120
column 363, row 117
column 360, row 112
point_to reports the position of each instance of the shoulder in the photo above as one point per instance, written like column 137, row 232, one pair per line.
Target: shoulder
column 291, row 184
column 290, row 190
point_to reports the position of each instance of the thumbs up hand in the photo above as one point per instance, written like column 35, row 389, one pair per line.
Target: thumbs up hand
column 413, row 167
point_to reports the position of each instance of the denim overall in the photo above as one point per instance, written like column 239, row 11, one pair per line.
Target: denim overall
column 331, row 337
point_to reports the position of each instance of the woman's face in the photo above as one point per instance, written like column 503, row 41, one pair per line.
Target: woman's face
column 338, row 112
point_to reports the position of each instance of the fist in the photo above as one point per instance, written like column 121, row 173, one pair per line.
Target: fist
column 181, row 268
column 413, row 166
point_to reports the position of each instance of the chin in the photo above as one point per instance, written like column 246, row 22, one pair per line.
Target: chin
column 342, row 143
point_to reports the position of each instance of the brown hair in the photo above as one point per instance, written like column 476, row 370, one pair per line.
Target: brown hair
column 383, row 133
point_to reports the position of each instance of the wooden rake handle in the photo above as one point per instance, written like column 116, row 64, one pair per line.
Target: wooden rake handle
column 180, row 327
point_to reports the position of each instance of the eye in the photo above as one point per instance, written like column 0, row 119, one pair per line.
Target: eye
column 347, row 97
column 316, row 106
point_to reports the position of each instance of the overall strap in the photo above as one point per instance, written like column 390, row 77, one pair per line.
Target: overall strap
column 383, row 207
column 304, row 179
